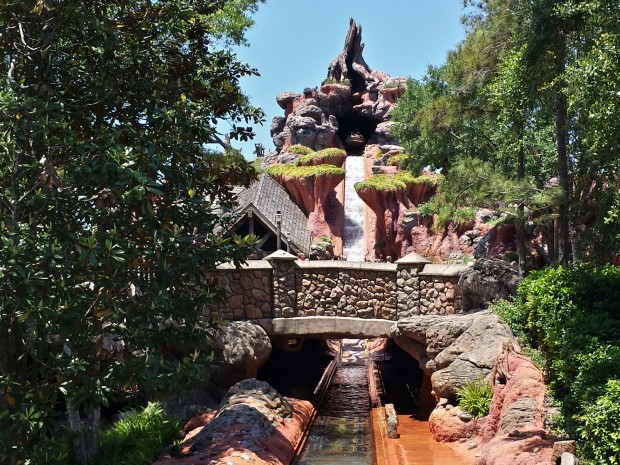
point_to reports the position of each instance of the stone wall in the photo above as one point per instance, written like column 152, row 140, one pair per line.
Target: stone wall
column 362, row 290
column 248, row 291
column 282, row 287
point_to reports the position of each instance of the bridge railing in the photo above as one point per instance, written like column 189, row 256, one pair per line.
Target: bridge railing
column 280, row 286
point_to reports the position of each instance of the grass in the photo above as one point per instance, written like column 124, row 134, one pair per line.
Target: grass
column 257, row 164
column 475, row 397
column 299, row 172
column 324, row 155
column 300, row 150
column 138, row 438
column 394, row 182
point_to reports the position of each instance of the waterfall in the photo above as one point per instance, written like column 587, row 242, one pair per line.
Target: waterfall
column 354, row 247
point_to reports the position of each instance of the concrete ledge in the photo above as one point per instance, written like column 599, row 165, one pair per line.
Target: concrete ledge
column 442, row 270
column 331, row 264
column 328, row 327
column 249, row 265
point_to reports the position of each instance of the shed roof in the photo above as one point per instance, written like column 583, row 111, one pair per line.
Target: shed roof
column 266, row 197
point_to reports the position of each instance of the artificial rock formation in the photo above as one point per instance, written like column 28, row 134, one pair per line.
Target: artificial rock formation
column 350, row 109
column 315, row 193
column 486, row 281
column 453, row 349
column 254, row 424
column 515, row 429
column 240, row 349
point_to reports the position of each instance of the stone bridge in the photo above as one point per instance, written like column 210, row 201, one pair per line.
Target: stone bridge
column 332, row 299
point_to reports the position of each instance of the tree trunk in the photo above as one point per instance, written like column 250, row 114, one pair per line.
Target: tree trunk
column 84, row 421
column 520, row 223
column 561, row 128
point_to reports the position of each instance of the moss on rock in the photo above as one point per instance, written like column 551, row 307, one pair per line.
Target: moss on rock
column 299, row 172
column 394, row 182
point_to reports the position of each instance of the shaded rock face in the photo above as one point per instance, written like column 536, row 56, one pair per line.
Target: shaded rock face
column 486, row 281
column 240, row 349
column 349, row 110
column 254, row 424
column 454, row 349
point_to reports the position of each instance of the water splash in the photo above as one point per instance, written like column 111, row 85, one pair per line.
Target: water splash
column 354, row 241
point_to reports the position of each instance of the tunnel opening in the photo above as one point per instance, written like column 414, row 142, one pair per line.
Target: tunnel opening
column 295, row 366
column 405, row 384
column 354, row 123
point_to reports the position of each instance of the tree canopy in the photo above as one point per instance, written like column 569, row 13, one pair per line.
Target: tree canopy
column 532, row 90
column 110, row 204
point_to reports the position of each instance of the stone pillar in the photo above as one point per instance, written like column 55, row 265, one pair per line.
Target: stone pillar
column 408, row 284
column 284, row 296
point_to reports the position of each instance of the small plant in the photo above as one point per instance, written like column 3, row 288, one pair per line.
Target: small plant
column 427, row 209
column 344, row 82
column 138, row 438
column 397, row 160
column 475, row 397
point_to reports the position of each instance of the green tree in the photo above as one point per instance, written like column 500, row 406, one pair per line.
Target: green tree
column 110, row 205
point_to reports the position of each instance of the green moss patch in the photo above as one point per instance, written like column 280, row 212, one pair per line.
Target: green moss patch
column 394, row 182
column 300, row 150
column 299, row 172
column 324, row 156
column 397, row 160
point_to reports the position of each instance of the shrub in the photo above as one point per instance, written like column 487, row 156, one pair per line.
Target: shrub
column 393, row 182
column 304, row 171
column 300, row 150
column 475, row 397
column 571, row 317
column 331, row 153
column 397, row 160
column 138, row 438
column 600, row 427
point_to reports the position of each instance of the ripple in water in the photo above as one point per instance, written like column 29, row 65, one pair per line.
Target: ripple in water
column 340, row 432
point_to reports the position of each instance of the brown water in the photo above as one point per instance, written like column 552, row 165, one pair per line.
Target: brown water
column 415, row 445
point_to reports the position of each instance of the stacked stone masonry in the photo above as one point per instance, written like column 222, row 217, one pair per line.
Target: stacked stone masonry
column 292, row 288
column 248, row 292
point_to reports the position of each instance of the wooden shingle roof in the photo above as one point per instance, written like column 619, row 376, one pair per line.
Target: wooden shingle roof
column 265, row 197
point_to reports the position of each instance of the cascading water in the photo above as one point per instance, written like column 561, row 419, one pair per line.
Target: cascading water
column 354, row 247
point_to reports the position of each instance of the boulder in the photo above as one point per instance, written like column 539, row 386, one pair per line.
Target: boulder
column 240, row 349
column 446, row 426
column 453, row 349
column 486, row 281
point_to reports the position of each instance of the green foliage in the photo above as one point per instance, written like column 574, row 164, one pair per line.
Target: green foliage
column 110, row 205
column 331, row 153
column 398, row 160
column 343, row 82
column 325, row 156
column 300, row 172
column 475, row 397
column 257, row 165
column 394, row 182
column 445, row 213
column 138, row 438
column 571, row 317
column 300, row 150
column 600, row 430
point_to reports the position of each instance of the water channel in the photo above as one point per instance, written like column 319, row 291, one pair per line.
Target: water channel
column 340, row 434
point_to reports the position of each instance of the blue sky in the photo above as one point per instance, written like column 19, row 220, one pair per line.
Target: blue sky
column 293, row 42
